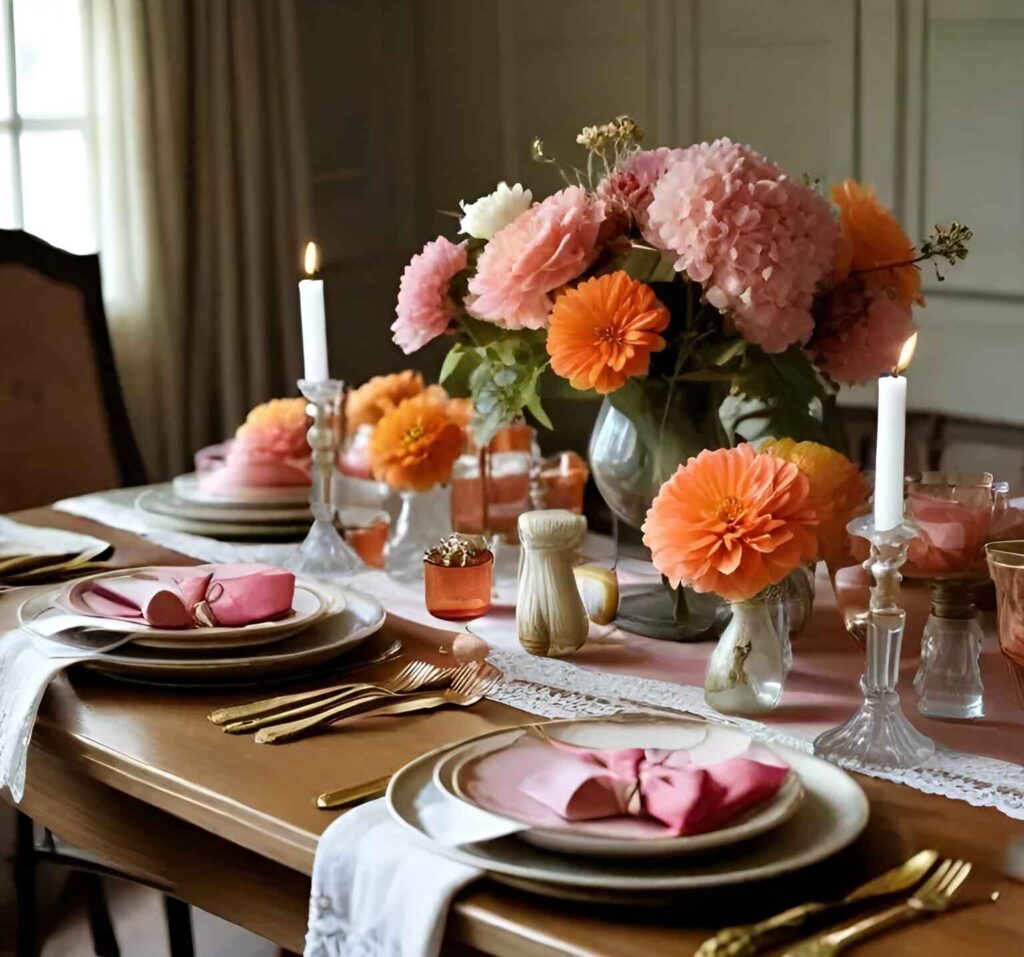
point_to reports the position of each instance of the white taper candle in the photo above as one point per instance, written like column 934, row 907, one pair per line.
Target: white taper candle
column 314, row 320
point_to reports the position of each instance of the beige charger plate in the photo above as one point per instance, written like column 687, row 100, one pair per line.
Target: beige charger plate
column 832, row 815
column 335, row 634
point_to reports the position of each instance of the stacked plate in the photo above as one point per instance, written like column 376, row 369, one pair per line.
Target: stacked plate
column 264, row 514
column 325, row 623
column 817, row 810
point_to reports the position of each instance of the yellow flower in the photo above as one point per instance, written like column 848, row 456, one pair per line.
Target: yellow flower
column 837, row 490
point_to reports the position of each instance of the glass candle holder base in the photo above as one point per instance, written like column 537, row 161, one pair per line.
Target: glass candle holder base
column 879, row 734
column 325, row 554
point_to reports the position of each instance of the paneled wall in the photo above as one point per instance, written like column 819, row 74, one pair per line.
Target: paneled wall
column 416, row 104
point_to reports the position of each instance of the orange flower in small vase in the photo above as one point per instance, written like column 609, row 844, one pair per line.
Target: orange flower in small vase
column 870, row 237
column 732, row 522
column 604, row 331
column 838, row 491
column 414, row 447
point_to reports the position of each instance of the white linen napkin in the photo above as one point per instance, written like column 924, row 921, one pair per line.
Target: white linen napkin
column 28, row 663
column 378, row 891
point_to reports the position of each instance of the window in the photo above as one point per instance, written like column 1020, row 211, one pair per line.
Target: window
column 45, row 131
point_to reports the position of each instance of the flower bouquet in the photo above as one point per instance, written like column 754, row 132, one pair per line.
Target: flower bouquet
column 706, row 294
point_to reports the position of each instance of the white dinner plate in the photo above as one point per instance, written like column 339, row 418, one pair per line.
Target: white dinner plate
column 618, row 837
column 833, row 813
column 309, row 604
column 187, row 487
column 161, row 500
column 331, row 636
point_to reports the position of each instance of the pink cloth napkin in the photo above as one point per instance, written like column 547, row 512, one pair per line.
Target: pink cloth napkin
column 230, row 595
column 686, row 794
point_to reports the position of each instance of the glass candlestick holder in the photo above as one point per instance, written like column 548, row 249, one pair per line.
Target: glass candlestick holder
column 324, row 553
column 879, row 734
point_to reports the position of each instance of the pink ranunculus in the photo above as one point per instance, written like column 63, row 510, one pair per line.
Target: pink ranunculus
column 552, row 242
column 758, row 242
column 859, row 332
column 425, row 307
column 630, row 188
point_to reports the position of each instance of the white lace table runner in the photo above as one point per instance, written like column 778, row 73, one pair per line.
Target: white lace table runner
column 554, row 689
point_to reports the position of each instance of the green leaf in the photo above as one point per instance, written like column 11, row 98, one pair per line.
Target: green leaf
column 537, row 410
column 643, row 263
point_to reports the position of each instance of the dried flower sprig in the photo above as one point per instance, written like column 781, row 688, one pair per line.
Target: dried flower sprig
column 453, row 551
column 609, row 144
column 946, row 242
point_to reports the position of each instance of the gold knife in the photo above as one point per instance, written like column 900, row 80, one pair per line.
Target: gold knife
column 749, row 939
column 332, row 800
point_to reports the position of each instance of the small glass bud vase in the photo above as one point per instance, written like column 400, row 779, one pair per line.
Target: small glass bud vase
column 948, row 680
column 746, row 670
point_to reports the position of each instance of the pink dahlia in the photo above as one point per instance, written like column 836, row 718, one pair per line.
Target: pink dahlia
column 860, row 330
column 425, row 306
column 757, row 241
column 629, row 189
column 552, row 242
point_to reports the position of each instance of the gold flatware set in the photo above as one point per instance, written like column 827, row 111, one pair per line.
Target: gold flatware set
column 933, row 896
column 419, row 686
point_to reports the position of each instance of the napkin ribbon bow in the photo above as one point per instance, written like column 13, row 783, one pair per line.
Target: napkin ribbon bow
column 686, row 796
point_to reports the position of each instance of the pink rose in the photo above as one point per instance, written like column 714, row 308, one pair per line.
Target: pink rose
column 552, row 242
column 425, row 307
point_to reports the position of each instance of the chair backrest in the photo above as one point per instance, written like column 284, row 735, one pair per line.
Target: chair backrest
column 64, row 429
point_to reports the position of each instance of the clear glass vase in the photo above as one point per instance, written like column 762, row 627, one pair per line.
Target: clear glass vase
column 948, row 680
column 746, row 671
column 630, row 456
column 424, row 519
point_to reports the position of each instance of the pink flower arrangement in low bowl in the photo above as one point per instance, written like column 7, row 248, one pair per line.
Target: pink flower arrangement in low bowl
column 269, row 450
column 539, row 251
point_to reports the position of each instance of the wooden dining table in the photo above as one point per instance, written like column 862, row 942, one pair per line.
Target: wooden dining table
column 137, row 775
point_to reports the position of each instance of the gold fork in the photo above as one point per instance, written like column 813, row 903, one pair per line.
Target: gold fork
column 934, row 895
column 414, row 675
column 469, row 684
column 411, row 679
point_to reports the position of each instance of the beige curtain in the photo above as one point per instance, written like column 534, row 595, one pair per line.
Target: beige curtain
column 202, row 191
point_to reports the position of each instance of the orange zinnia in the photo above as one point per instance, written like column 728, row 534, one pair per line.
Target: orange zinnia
column 869, row 237
column 837, row 491
column 414, row 447
column 604, row 331
column 731, row 522
column 378, row 396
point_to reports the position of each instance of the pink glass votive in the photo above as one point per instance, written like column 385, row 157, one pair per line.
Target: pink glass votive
column 458, row 588
column 366, row 530
column 1006, row 564
column 561, row 482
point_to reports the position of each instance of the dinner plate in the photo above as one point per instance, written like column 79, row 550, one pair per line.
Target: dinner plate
column 187, row 487
column 333, row 635
column 229, row 531
column 161, row 500
column 633, row 837
column 833, row 813
column 308, row 605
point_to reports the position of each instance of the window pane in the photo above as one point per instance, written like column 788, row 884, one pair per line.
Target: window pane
column 48, row 51
column 56, row 189
column 8, row 219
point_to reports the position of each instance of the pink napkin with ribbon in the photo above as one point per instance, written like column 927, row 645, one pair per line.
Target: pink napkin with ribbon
column 683, row 791
column 232, row 595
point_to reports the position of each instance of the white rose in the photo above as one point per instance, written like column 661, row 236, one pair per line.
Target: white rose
column 495, row 211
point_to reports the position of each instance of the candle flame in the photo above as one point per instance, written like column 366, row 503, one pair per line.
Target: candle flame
column 311, row 260
column 906, row 354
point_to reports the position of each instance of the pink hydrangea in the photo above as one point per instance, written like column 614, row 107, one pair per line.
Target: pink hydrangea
column 860, row 331
column 552, row 242
column 630, row 188
column 425, row 307
column 757, row 241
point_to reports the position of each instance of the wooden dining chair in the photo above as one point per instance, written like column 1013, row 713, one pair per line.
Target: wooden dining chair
column 63, row 424
column 64, row 430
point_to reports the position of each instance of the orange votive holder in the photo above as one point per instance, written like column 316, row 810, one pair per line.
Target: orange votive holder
column 366, row 530
column 459, row 592
column 561, row 481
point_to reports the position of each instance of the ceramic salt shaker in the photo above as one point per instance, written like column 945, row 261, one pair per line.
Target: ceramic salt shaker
column 551, row 619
